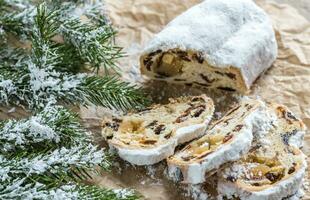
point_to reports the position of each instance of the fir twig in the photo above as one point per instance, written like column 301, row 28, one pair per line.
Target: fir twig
column 54, row 126
column 16, row 17
column 34, row 80
column 35, row 88
column 18, row 189
column 91, row 192
column 112, row 93
column 54, row 167
column 49, row 155
column 93, row 44
column 49, row 172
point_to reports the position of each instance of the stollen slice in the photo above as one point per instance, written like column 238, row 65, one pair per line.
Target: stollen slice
column 151, row 135
column 223, row 44
column 274, row 167
column 226, row 140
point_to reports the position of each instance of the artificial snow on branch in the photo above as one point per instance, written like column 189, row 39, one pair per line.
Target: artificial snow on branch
column 18, row 189
column 53, row 126
column 47, row 73
column 35, row 87
column 49, row 154
column 93, row 47
column 92, row 39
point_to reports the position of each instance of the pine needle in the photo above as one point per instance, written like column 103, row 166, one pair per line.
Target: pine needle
column 112, row 93
column 29, row 87
column 50, row 155
column 56, row 169
column 36, row 79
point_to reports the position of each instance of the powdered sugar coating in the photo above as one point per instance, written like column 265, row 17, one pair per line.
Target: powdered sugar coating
column 241, row 144
column 195, row 172
column 228, row 33
column 169, row 125
column 141, row 156
column 278, row 191
column 234, row 180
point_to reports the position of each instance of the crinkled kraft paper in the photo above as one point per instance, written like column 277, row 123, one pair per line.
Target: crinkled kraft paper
column 286, row 82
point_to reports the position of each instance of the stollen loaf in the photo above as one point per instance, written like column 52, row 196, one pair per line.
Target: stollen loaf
column 215, row 44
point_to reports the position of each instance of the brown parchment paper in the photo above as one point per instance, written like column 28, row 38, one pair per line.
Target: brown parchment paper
column 287, row 82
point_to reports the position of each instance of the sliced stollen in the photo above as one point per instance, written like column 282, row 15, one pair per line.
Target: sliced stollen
column 151, row 135
column 274, row 167
column 216, row 44
column 226, row 140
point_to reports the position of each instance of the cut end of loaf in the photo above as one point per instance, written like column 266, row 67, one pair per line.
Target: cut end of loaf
column 191, row 68
column 215, row 44
column 226, row 140
column 151, row 135
column 273, row 168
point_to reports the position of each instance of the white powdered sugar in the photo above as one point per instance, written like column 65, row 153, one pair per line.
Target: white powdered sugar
column 277, row 191
column 154, row 155
column 235, row 170
column 64, row 192
column 288, row 187
column 151, row 171
column 195, row 172
column 228, row 33
column 197, row 192
column 306, row 184
column 297, row 139
column 2, row 32
column 4, row 170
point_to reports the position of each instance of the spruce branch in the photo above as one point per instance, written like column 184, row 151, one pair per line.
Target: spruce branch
column 94, row 44
column 38, row 78
column 16, row 17
column 18, row 189
column 54, row 167
column 53, row 126
column 112, row 93
column 91, row 192
column 50, row 136
column 54, row 172
column 11, row 24
column 13, row 56
column 49, row 155
column 35, row 88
